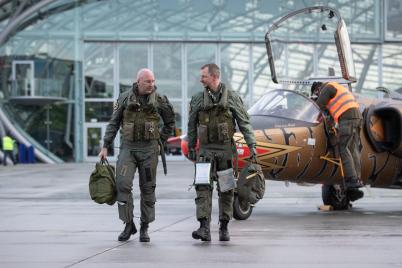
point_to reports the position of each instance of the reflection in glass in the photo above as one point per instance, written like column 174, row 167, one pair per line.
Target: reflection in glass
column 98, row 70
column 234, row 68
column 167, row 68
column 98, row 111
column 94, row 141
column 132, row 58
column 286, row 104
column 394, row 19
column 178, row 116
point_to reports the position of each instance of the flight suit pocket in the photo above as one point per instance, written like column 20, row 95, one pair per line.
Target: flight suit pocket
column 223, row 132
column 128, row 131
column 203, row 134
column 150, row 131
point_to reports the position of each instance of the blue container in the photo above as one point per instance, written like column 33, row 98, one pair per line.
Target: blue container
column 22, row 154
column 31, row 155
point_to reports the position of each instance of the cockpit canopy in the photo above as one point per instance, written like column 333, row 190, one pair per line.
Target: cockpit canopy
column 310, row 44
column 286, row 104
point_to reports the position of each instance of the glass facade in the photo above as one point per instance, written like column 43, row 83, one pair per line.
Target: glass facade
column 80, row 55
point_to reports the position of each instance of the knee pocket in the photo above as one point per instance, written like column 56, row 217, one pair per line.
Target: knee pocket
column 123, row 186
column 147, row 189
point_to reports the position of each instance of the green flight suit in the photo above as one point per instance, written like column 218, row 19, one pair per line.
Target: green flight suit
column 212, row 118
column 138, row 118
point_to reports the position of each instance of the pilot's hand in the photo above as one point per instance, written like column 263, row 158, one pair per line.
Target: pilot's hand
column 103, row 154
column 192, row 154
column 253, row 154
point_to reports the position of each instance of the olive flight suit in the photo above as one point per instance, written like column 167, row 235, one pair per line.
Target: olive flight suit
column 212, row 119
column 138, row 117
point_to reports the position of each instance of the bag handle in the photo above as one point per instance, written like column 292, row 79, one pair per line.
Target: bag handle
column 106, row 163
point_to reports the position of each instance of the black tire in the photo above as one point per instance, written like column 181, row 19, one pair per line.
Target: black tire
column 240, row 212
column 330, row 197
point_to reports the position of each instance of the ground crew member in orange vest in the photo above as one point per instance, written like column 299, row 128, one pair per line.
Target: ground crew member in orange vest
column 341, row 105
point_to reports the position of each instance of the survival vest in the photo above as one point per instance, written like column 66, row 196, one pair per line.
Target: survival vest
column 216, row 123
column 341, row 102
column 140, row 122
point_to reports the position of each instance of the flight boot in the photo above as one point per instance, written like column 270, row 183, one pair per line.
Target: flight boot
column 144, row 237
column 223, row 231
column 128, row 231
column 203, row 232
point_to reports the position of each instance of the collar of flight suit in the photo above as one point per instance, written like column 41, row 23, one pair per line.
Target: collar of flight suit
column 223, row 100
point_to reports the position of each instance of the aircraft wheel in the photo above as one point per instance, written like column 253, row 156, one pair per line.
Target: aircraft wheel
column 241, row 211
column 335, row 196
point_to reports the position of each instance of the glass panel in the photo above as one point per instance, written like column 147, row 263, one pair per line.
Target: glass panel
column 362, row 18
column 394, row 19
column 132, row 58
column 197, row 56
column 286, row 104
column 262, row 74
column 234, row 68
column 98, row 70
column 52, row 70
column 300, row 61
column 98, row 111
column 167, row 68
column 392, row 66
column 94, row 141
column 328, row 61
column 179, row 117
column 23, row 75
column 366, row 64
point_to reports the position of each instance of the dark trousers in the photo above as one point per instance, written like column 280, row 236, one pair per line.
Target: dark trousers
column 349, row 147
column 6, row 154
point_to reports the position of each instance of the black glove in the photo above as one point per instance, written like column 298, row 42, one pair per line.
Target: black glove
column 253, row 153
column 192, row 154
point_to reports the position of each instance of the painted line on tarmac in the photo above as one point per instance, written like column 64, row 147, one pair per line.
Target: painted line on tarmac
column 124, row 243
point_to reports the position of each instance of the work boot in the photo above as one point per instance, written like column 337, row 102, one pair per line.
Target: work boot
column 223, row 231
column 354, row 194
column 128, row 231
column 203, row 232
column 144, row 237
column 353, row 183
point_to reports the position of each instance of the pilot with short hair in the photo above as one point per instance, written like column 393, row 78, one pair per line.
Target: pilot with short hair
column 214, row 113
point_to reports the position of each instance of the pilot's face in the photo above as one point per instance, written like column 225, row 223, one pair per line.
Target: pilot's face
column 206, row 79
column 146, row 83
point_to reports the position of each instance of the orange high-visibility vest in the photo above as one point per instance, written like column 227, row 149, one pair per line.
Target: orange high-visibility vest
column 341, row 102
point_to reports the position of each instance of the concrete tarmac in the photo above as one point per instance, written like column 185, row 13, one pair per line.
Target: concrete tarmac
column 48, row 220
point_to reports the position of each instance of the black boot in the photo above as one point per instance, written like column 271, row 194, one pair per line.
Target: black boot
column 223, row 231
column 353, row 183
column 128, row 231
column 144, row 237
column 203, row 232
